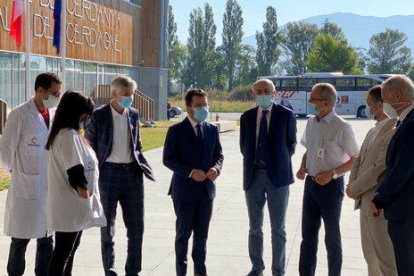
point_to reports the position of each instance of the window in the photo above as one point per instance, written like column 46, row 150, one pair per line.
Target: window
column 90, row 77
column 289, row 85
column 363, row 84
column 306, row 84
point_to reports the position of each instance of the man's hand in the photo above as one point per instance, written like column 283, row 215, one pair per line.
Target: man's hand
column 301, row 173
column 375, row 211
column 323, row 178
column 198, row 175
column 83, row 193
column 212, row 174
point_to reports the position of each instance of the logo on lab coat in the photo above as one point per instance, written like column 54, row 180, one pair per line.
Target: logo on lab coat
column 33, row 142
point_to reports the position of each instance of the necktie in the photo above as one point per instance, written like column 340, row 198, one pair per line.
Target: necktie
column 199, row 133
column 262, row 148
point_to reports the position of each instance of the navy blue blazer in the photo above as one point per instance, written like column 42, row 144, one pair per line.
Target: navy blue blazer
column 396, row 191
column 281, row 138
column 182, row 154
column 100, row 135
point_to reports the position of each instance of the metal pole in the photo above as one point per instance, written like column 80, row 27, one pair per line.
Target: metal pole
column 28, row 47
column 63, row 42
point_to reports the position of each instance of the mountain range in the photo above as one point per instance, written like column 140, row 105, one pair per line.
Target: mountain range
column 359, row 29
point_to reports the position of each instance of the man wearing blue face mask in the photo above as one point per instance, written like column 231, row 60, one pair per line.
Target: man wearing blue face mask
column 115, row 136
column 330, row 151
column 192, row 151
column 363, row 181
column 267, row 143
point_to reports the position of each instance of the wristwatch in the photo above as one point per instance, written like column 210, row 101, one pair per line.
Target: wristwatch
column 334, row 174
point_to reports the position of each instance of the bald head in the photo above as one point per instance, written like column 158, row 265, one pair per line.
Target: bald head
column 263, row 87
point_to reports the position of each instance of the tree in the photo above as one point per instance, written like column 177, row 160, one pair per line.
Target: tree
column 201, row 45
column 410, row 72
column 232, row 37
column 267, row 53
column 176, row 52
column 388, row 54
column 297, row 40
column 245, row 63
column 330, row 55
column 334, row 30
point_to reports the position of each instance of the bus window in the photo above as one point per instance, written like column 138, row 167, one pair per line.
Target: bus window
column 330, row 80
column 276, row 82
column 289, row 85
column 363, row 84
column 306, row 84
column 345, row 84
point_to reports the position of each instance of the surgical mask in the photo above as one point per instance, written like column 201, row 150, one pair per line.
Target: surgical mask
column 389, row 110
column 312, row 109
column 51, row 102
column 264, row 100
column 126, row 101
column 200, row 113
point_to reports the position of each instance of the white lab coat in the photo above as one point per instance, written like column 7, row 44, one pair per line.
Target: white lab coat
column 23, row 151
column 67, row 212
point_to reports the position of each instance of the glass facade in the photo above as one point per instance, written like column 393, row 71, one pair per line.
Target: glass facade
column 79, row 75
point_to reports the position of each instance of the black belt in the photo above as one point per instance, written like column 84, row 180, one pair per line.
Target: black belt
column 126, row 166
column 314, row 179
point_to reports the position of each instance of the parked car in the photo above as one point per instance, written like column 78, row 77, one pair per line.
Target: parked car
column 175, row 111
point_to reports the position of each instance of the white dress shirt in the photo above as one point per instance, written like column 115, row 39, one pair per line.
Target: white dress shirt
column 194, row 124
column 329, row 143
column 121, row 141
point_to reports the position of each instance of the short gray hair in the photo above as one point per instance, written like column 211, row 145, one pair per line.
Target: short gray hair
column 327, row 91
column 402, row 83
column 268, row 81
column 123, row 81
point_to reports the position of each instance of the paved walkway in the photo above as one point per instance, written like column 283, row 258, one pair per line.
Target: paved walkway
column 227, row 244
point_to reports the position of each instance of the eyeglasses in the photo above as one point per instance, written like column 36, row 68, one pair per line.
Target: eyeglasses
column 53, row 93
column 316, row 99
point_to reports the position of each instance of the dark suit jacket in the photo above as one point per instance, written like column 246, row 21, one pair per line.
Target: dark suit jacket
column 396, row 191
column 100, row 135
column 182, row 154
column 281, row 138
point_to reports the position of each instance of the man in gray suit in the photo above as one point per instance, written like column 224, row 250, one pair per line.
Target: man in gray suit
column 363, row 181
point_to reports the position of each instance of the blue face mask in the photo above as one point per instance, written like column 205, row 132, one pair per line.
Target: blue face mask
column 312, row 109
column 264, row 100
column 126, row 101
column 200, row 113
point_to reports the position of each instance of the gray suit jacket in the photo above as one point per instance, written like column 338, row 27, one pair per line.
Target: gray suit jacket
column 369, row 165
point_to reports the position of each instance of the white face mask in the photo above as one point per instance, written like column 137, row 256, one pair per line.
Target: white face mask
column 389, row 110
column 51, row 102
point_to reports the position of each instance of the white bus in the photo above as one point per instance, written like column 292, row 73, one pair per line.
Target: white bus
column 352, row 90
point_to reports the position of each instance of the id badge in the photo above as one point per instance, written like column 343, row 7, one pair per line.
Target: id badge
column 320, row 154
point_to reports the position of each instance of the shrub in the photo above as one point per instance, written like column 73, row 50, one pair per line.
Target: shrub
column 242, row 93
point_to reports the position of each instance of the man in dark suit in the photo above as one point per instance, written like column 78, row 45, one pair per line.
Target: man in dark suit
column 115, row 137
column 396, row 191
column 267, row 143
column 192, row 151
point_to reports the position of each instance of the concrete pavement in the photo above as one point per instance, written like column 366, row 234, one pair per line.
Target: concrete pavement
column 227, row 244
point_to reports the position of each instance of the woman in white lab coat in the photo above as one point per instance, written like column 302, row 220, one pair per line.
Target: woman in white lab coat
column 23, row 153
column 73, row 195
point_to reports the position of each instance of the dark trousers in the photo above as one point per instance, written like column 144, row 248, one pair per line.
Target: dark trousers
column 193, row 217
column 123, row 184
column 16, row 263
column 321, row 202
column 402, row 237
column 66, row 244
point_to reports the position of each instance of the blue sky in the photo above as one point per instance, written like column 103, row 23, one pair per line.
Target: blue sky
column 291, row 10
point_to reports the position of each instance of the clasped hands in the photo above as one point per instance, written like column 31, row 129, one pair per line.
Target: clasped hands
column 199, row 175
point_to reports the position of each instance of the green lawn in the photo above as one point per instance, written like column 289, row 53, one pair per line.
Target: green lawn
column 151, row 138
column 154, row 137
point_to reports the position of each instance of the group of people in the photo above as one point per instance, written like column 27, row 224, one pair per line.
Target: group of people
column 382, row 177
column 71, row 164
column 65, row 181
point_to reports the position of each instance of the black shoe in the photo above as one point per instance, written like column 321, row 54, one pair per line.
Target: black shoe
column 255, row 273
